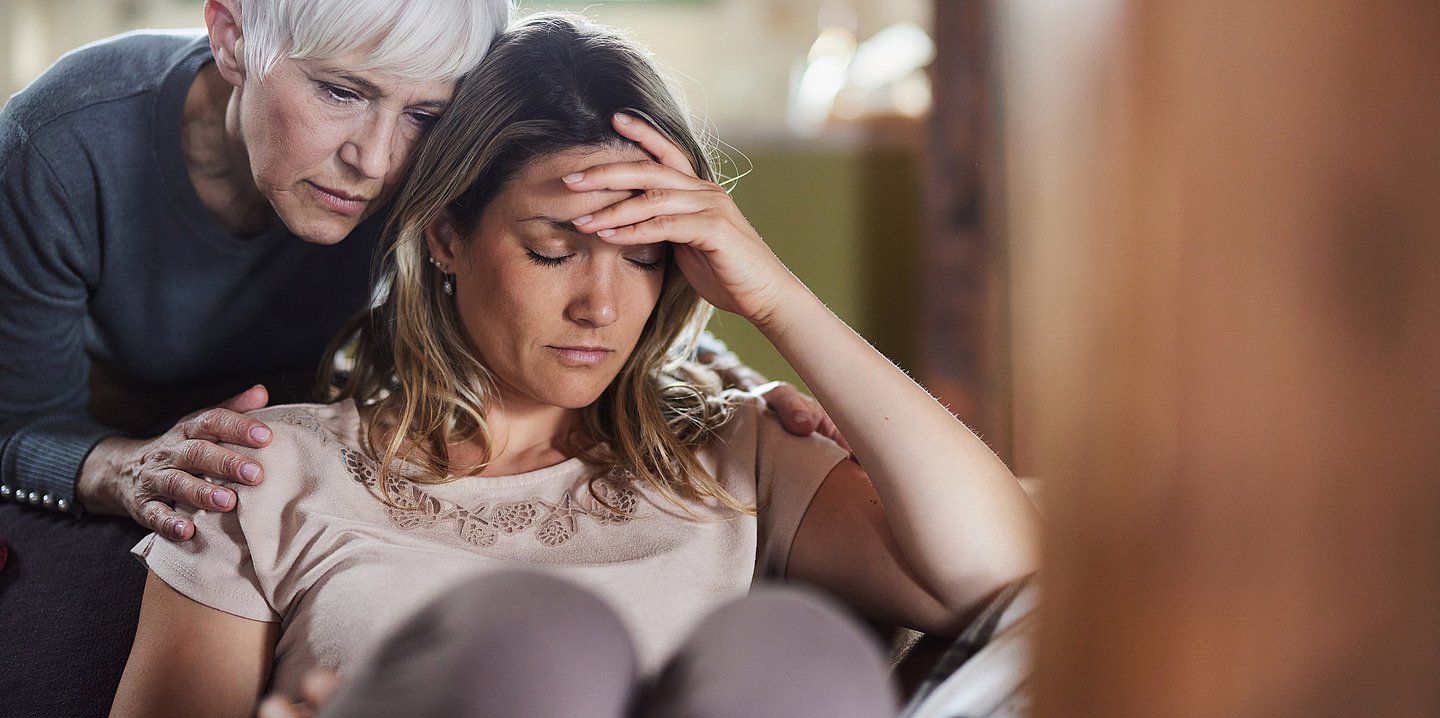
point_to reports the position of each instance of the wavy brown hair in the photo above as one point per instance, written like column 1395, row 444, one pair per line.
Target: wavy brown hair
column 550, row 84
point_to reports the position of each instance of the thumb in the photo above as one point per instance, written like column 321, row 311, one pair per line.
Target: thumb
column 256, row 397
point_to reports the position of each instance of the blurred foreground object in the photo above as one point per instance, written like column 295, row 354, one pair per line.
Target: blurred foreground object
column 1225, row 252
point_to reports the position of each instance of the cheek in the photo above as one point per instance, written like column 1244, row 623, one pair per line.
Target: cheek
column 640, row 303
column 497, row 308
column 287, row 142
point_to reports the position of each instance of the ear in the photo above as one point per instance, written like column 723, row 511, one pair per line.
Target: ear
column 227, row 41
column 443, row 241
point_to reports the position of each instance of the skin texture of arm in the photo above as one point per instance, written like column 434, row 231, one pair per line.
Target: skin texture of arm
column 936, row 522
column 192, row 660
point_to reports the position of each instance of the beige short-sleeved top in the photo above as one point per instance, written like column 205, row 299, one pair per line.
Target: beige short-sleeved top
column 315, row 549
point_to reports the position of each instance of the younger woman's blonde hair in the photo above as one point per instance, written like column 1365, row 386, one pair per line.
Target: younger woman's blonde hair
column 551, row 83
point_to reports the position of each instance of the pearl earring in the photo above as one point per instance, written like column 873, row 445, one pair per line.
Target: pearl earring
column 446, row 283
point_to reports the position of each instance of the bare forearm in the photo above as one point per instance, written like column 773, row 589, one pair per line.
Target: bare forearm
column 958, row 515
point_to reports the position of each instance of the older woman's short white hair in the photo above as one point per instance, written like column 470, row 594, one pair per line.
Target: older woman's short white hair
column 413, row 40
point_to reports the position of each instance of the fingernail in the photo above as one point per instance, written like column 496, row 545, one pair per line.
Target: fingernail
column 177, row 529
column 250, row 472
column 584, row 220
column 622, row 118
column 573, row 177
column 223, row 499
column 259, row 433
column 800, row 417
column 606, row 233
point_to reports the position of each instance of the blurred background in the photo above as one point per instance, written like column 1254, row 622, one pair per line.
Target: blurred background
column 1178, row 260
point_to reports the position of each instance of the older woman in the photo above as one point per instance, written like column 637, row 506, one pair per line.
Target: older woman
column 520, row 397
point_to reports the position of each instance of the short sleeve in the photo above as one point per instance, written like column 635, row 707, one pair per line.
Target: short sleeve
column 789, row 470
column 238, row 558
column 213, row 568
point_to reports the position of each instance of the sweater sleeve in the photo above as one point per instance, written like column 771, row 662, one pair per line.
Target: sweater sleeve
column 48, row 261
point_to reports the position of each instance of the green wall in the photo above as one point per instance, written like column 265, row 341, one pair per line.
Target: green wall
column 847, row 223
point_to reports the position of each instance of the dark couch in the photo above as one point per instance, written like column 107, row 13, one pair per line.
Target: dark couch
column 69, row 599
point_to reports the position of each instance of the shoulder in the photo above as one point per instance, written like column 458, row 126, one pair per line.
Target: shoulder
column 753, row 431
column 308, row 442
column 101, row 72
column 304, row 427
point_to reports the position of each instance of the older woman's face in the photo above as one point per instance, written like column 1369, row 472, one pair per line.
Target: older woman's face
column 326, row 145
column 553, row 313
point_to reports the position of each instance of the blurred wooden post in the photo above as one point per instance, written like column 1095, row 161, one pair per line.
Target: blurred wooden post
column 964, row 340
column 1226, row 246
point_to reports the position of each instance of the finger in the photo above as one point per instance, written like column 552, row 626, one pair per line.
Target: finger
column 165, row 521
column 318, row 686
column 649, row 204
column 277, row 707
column 652, row 141
column 220, row 424
column 829, row 430
column 632, row 175
column 696, row 228
column 186, row 490
column 201, row 457
column 798, row 413
column 256, row 397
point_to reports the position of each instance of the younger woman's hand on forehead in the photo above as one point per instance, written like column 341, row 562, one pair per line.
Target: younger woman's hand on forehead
column 720, row 253
column 652, row 141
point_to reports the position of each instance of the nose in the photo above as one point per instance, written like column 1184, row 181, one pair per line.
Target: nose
column 594, row 301
column 375, row 146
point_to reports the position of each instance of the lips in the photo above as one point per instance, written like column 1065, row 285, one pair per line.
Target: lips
column 581, row 356
column 338, row 200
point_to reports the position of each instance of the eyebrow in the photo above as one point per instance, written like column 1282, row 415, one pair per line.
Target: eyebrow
column 373, row 89
column 554, row 223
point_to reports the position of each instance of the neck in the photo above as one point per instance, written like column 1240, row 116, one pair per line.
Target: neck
column 526, row 437
column 214, row 154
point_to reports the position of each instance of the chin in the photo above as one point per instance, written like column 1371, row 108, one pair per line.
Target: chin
column 324, row 231
column 573, row 398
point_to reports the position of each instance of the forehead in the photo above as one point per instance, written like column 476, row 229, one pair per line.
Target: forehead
column 351, row 69
column 538, row 189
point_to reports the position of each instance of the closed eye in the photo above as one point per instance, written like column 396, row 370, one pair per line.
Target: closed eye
column 545, row 260
column 649, row 266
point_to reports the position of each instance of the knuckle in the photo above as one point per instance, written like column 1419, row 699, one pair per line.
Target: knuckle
column 172, row 483
column 228, row 463
column 158, row 456
column 199, row 494
column 210, row 420
column 154, row 515
column 192, row 453
column 657, row 195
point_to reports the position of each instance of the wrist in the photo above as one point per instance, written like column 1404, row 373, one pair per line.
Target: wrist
column 95, row 487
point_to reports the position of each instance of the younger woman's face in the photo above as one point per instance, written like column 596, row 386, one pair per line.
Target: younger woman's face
column 554, row 314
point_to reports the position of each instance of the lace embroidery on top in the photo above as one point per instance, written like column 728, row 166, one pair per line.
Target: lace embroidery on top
column 483, row 524
column 307, row 421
